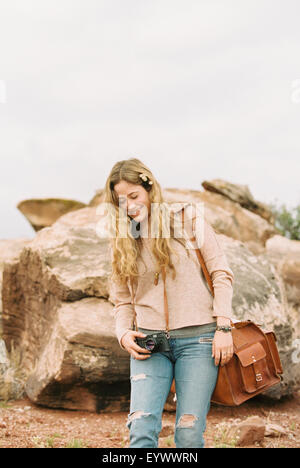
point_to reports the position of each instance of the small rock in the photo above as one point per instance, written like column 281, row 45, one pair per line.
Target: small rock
column 170, row 404
column 2, row 423
column 167, row 430
column 248, row 432
column 274, row 430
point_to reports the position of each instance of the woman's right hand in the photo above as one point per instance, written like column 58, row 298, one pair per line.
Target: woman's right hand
column 128, row 342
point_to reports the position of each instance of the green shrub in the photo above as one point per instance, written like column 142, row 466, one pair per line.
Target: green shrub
column 287, row 221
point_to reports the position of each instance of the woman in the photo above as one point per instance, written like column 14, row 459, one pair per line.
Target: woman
column 197, row 346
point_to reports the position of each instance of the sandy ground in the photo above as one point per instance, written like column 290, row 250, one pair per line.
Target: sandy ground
column 24, row 424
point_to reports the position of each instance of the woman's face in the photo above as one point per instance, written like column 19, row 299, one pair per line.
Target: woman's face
column 134, row 200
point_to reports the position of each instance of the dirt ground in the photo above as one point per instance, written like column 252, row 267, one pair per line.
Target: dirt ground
column 24, row 424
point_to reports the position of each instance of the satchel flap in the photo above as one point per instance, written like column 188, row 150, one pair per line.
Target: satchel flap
column 251, row 354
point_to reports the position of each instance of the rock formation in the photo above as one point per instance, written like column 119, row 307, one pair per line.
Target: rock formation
column 45, row 211
column 57, row 311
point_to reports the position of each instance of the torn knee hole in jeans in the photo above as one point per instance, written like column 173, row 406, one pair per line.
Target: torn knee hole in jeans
column 138, row 376
column 136, row 415
column 187, row 420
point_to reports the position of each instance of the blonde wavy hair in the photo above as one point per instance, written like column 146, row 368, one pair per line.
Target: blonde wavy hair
column 126, row 250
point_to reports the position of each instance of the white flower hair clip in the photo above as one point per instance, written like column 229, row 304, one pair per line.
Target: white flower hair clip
column 145, row 178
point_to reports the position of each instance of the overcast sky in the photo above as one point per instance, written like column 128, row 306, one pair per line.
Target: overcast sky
column 197, row 89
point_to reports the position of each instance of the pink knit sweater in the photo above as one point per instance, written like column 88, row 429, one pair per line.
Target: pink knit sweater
column 190, row 301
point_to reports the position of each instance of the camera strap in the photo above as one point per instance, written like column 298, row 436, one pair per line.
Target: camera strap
column 163, row 271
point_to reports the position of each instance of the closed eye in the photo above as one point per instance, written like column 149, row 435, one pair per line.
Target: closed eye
column 122, row 200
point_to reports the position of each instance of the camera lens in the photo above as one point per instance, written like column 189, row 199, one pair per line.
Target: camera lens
column 150, row 344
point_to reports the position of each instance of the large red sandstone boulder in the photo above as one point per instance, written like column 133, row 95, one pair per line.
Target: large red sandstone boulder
column 57, row 313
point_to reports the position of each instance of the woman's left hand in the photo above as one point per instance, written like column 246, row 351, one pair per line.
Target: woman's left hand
column 222, row 347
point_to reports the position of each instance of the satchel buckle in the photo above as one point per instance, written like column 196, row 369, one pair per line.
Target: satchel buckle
column 258, row 377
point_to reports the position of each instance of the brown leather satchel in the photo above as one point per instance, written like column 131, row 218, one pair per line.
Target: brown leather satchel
column 255, row 365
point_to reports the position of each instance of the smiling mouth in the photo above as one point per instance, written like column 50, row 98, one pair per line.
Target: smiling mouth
column 136, row 213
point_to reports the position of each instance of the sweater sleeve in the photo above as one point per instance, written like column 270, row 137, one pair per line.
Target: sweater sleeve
column 217, row 265
column 123, row 310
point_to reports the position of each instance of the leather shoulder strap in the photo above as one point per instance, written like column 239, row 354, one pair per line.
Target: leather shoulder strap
column 200, row 257
column 132, row 302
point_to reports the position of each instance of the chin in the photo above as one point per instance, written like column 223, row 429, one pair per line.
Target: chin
column 138, row 218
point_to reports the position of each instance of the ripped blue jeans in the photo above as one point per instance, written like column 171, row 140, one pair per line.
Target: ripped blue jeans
column 190, row 361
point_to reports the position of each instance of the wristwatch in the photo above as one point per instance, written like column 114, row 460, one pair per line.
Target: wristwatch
column 224, row 329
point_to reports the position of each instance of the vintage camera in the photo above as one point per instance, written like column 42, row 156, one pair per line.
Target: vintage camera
column 156, row 342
